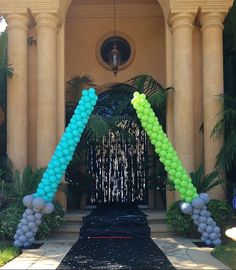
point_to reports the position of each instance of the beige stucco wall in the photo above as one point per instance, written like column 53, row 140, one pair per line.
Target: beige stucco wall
column 82, row 33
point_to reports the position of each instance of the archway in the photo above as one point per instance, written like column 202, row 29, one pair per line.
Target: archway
column 136, row 21
column 115, row 162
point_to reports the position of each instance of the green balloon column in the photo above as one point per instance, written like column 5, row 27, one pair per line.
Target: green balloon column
column 193, row 204
column 40, row 203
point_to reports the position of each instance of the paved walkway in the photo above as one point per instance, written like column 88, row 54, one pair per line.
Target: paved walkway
column 181, row 252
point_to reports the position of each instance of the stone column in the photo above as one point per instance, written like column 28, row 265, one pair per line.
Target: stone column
column 182, row 30
column 46, row 27
column 212, row 49
column 17, row 116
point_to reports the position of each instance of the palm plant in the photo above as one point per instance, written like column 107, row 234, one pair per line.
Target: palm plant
column 118, row 98
column 5, row 72
column 113, row 111
column 24, row 183
column 226, row 159
column 201, row 182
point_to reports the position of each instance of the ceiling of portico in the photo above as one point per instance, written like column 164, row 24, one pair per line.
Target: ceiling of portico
column 104, row 8
column 110, row 2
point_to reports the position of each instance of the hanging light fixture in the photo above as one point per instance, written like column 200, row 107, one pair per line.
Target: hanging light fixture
column 114, row 55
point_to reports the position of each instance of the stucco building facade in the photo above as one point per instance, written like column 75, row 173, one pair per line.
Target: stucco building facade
column 178, row 42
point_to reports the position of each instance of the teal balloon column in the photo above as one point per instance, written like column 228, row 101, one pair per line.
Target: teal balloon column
column 194, row 204
column 40, row 203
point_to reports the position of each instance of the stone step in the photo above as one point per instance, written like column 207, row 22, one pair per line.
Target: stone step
column 72, row 228
column 74, row 221
column 153, row 217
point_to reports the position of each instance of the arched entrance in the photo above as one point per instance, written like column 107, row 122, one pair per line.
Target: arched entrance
column 141, row 23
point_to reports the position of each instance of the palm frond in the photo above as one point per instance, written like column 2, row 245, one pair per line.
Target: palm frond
column 197, row 176
column 97, row 127
column 202, row 182
column 76, row 84
column 226, row 159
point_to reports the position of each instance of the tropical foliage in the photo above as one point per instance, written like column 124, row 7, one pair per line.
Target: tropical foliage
column 113, row 112
column 226, row 159
column 220, row 211
column 226, row 126
column 201, row 182
column 10, row 216
column 24, row 183
column 204, row 183
column 5, row 72
column 117, row 101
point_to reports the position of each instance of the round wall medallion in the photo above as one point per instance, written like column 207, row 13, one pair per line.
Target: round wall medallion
column 123, row 44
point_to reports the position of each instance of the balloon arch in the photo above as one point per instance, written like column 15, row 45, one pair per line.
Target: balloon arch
column 40, row 203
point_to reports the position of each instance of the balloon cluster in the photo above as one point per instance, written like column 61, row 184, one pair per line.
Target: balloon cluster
column 39, row 203
column 234, row 201
column 194, row 205
column 164, row 148
column 31, row 219
column 202, row 218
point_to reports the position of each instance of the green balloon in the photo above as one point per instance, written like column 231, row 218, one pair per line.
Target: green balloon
column 188, row 199
column 172, row 172
column 163, row 153
column 174, row 165
column 178, row 174
column 182, row 190
column 183, row 184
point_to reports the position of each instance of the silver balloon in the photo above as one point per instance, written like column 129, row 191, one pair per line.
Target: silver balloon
column 24, row 221
column 32, row 225
column 31, row 218
column 202, row 226
column 195, row 217
column 19, row 232
column 186, row 208
column 210, row 221
column 208, row 242
column 29, row 211
column 27, row 201
column 17, row 243
column 217, row 242
column 22, row 238
column 203, row 213
column 209, row 229
column 202, row 219
column 213, row 236
column 38, row 203
column 196, row 211
column 38, row 215
column 26, row 244
column 206, row 235
column 29, row 234
column 198, row 203
column 49, row 208
column 25, row 229
column 204, row 197
column 38, row 222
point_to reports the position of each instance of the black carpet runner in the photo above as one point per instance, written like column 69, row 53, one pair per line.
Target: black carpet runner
column 115, row 238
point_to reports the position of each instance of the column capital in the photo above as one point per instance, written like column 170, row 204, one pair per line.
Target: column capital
column 182, row 20
column 46, row 20
column 212, row 19
column 17, row 20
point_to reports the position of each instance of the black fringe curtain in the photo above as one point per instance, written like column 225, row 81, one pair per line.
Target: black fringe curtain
column 118, row 166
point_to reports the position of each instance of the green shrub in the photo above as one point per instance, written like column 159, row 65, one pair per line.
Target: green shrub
column 178, row 221
column 51, row 222
column 10, row 217
column 24, row 183
column 221, row 212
